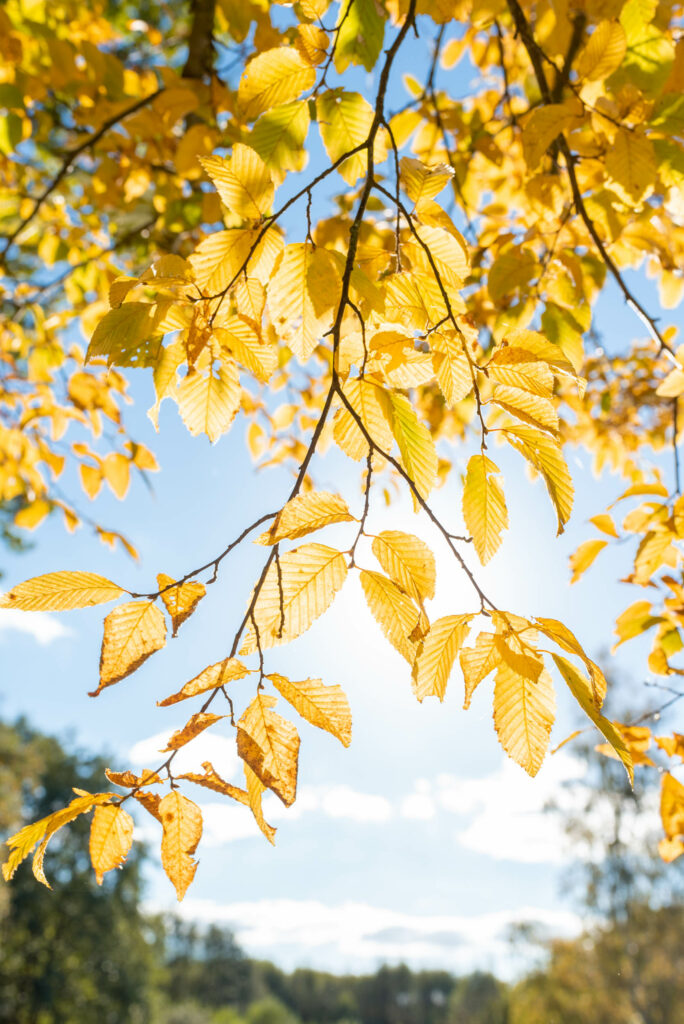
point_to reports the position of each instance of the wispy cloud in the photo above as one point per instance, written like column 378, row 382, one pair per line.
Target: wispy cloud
column 356, row 936
column 42, row 627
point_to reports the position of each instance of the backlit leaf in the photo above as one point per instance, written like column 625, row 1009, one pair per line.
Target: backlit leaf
column 408, row 561
column 270, row 746
column 182, row 824
column 209, row 679
column 524, row 713
column 61, row 591
column 326, row 707
column 180, row 600
column 111, row 838
column 437, row 654
column 484, row 506
column 393, row 610
column 132, row 632
column 304, row 514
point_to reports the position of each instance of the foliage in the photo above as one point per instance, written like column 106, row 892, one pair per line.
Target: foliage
column 85, row 956
column 158, row 168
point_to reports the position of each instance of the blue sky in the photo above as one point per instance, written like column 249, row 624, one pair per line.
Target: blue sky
column 419, row 843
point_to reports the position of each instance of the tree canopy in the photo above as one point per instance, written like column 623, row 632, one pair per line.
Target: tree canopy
column 219, row 198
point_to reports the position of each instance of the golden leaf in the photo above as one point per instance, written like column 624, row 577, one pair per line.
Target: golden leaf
column 672, row 745
column 326, row 707
column 111, row 838
column 544, row 453
column 562, row 636
column 132, row 632
column 130, row 780
column 61, row 591
column 208, row 403
column 604, row 52
column 584, row 556
column 477, row 663
column 530, row 408
column 279, row 136
column 581, row 691
column 270, row 746
column 297, row 589
column 631, row 163
column 484, row 506
column 451, row 366
column 255, row 789
column 605, row 524
column 393, row 610
column 180, row 600
column 193, row 727
column 545, row 124
column 182, row 830
column 416, row 446
column 344, row 119
column 437, row 654
column 672, row 807
column 239, row 339
column 209, row 679
column 243, row 181
column 422, row 182
column 272, row 78
column 524, row 713
column 302, row 295
column 212, row 780
column 22, row 843
column 371, row 405
column 304, row 514
column 408, row 561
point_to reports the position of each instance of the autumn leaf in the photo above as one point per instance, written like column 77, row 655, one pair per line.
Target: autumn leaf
column 111, row 838
column 484, row 506
column 437, row 654
column 269, row 744
column 180, row 599
column 132, row 632
column 408, row 561
column 524, row 713
column 192, row 728
column 208, row 679
column 182, row 830
column 61, row 591
column 304, row 514
column 393, row 610
column 326, row 707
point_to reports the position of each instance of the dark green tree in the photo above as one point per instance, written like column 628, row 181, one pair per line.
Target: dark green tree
column 81, row 954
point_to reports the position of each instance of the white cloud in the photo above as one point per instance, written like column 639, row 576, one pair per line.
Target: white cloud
column 42, row 627
column 359, row 935
column 506, row 808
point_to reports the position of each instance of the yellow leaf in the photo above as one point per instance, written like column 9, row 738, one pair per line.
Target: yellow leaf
column 672, row 745
column 533, row 409
column 132, row 632
column 192, row 728
column 212, row 780
column 209, row 679
column 393, row 610
column 239, row 339
column 126, row 334
column 484, row 506
column 437, row 654
column 345, row 119
column 296, row 591
column 604, row 52
column 304, row 514
column 312, row 43
column 279, row 136
column 631, row 163
column 519, row 368
column 271, row 78
column 111, row 838
column 408, row 561
column 22, row 843
column 326, row 707
column 243, row 181
column 545, row 124
column 218, row 259
column 302, row 295
column 581, row 690
column 416, row 446
column 360, row 33
column 451, row 366
column 651, row 554
column 671, row 386
column 584, row 556
column 372, row 407
column 422, row 182
column 182, row 824
column 60, row 592
column 672, row 815
column 255, row 789
column 449, row 254
column 130, row 780
column 270, row 746
column 605, row 524
column 180, row 600
column 477, row 663
column 524, row 713
column 208, row 403
column 562, row 636
column 117, row 473
column 544, row 453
